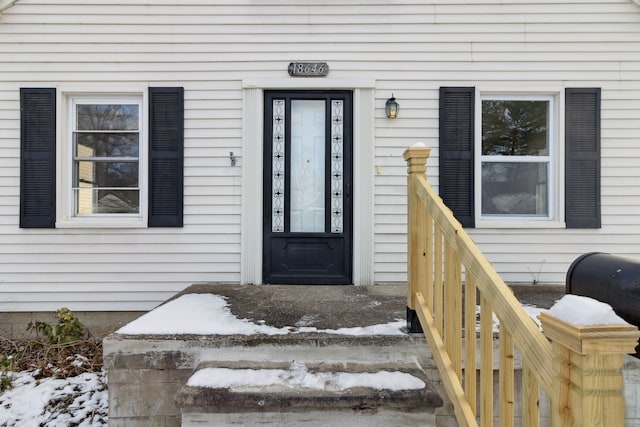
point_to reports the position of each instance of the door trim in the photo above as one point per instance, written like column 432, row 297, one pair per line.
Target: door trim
column 251, row 166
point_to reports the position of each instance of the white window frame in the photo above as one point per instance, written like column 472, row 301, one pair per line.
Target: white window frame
column 66, row 217
column 555, row 216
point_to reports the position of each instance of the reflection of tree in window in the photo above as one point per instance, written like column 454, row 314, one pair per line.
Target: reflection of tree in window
column 107, row 143
column 107, row 117
column 514, row 188
column 517, row 185
column 514, row 128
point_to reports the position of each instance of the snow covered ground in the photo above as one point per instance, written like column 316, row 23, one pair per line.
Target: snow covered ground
column 79, row 401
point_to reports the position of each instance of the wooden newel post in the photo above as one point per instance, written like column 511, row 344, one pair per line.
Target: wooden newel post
column 588, row 387
column 416, row 158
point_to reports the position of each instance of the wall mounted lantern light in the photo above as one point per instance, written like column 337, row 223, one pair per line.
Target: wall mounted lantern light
column 391, row 108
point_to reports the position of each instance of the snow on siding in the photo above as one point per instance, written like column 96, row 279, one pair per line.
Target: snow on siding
column 409, row 47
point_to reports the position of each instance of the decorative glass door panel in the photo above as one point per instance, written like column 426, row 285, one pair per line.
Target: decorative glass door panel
column 307, row 184
column 307, row 165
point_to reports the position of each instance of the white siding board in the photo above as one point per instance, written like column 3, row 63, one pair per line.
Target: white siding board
column 189, row 50
column 409, row 48
column 124, row 269
column 191, row 3
column 223, row 244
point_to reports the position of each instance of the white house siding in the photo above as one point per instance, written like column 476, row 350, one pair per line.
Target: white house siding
column 409, row 48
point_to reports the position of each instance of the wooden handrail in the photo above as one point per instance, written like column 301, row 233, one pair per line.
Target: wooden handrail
column 440, row 252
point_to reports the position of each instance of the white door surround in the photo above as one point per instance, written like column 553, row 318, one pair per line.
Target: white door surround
column 252, row 158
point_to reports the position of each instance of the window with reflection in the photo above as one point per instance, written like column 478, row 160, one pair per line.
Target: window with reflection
column 515, row 157
column 106, row 162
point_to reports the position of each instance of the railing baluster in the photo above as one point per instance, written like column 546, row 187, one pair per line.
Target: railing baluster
column 530, row 397
column 486, row 363
column 453, row 308
column 429, row 294
column 470, row 344
column 438, row 292
column 505, row 379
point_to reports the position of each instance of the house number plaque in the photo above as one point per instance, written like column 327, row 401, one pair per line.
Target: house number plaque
column 308, row 69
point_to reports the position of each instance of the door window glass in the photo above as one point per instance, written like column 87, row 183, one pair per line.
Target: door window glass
column 307, row 166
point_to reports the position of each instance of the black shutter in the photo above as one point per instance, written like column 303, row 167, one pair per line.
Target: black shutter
column 166, row 156
column 456, row 151
column 37, row 157
column 582, row 158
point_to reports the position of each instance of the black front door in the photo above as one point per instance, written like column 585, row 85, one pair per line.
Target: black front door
column 307, row 187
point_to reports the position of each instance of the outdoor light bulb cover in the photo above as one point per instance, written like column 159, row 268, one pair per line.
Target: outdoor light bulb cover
column 392, row 107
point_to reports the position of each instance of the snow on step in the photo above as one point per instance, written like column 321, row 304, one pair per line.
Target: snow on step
column 299, row 376
column 254, row 393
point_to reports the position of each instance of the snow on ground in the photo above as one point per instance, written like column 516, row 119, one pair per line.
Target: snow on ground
column 208, row 314
column 531, row 310
column 298, row 376
column 80, row 401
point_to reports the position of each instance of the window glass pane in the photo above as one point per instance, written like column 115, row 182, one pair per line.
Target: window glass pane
column 515, row 189
column 94, row 201
column 515, row 128
column 105, row 174
column 106, row 144
column 307, row 166
column 107, row 117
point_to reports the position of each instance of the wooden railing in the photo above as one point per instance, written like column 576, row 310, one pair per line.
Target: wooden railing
column 579, row 368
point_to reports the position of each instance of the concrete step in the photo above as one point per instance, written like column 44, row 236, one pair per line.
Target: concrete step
column 320, row 394
column 328, row 329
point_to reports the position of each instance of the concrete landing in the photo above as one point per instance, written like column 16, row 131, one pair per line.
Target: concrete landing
column 335, row 307
column 323, row 307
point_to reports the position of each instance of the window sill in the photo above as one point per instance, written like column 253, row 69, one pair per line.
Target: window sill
column 519, row 223
column 102, row 223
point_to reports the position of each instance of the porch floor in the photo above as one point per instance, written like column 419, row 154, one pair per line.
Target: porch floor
column 335, row 307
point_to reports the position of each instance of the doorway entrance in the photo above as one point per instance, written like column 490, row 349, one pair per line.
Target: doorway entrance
column 307, row 216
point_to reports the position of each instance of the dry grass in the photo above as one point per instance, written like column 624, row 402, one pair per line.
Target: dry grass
column 61, row 350
column 49, row 360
